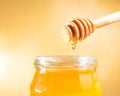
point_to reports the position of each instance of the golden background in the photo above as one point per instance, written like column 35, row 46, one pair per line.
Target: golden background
column 30, row 28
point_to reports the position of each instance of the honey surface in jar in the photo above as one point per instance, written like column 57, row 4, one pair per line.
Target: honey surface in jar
column 62, row 82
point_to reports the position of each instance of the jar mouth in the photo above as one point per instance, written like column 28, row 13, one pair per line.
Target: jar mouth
column 66, row 61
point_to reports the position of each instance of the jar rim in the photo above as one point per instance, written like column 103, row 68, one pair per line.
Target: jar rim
column 65, row 61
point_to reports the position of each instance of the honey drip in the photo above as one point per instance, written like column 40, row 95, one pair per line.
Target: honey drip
column 73, row 45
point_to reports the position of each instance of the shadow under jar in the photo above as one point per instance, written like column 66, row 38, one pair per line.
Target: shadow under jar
column 65, row 76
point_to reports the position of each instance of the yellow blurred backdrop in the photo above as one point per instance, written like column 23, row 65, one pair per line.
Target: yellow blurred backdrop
column 30, row 28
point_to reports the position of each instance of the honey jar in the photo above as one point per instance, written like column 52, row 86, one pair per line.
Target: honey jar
column 65, row 76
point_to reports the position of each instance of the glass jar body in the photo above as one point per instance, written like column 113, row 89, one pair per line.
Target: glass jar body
column 65, row 81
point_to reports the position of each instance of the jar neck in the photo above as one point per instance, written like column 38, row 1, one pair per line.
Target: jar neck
column 66, row 62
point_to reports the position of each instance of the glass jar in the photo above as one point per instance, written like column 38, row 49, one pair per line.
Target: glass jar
column 65, row 76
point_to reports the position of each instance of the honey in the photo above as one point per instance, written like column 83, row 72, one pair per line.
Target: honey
column 65, row 77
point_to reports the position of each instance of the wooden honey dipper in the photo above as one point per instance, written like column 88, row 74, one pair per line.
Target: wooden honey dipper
column 78, row 29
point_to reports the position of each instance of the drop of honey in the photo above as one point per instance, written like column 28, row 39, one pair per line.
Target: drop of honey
column 73, row 45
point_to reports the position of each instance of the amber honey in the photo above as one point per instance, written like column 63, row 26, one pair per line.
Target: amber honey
column 65, row 79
